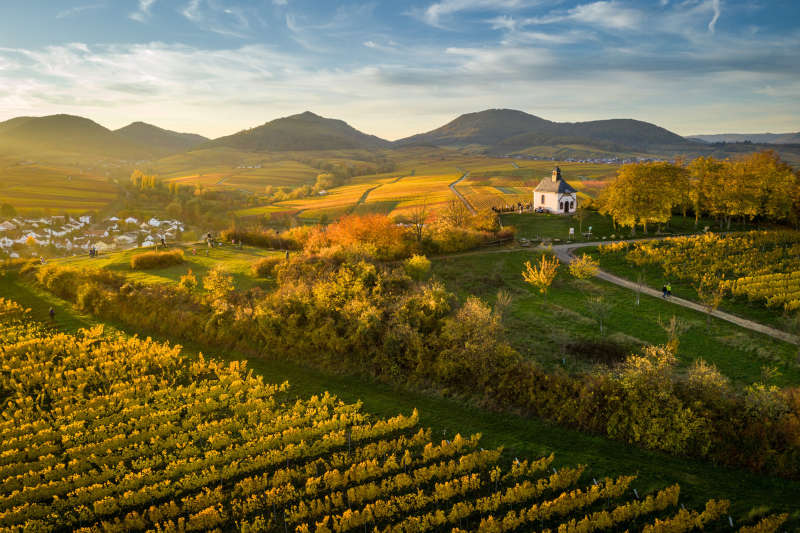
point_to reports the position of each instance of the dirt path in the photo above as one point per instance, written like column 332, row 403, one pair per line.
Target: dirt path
column 564, row 253
column 461, row 196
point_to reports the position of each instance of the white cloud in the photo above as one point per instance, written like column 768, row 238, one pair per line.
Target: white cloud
column 603, row 14
column 435, row 12
column 144, row 11
column 717, row 11
column 221, row 17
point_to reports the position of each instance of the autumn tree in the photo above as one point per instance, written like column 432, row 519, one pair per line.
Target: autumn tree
column 710, row 292
column 542, row 275
column 584, row 267
column 644, row 193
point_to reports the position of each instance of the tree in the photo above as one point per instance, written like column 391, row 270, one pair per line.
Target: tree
column 674, row 328
column 455, row 214
column 600, row 309
column 581, row 213
column 542, row 275
column 417, row 218
column 584, row 267
column 219, row 285
column 710, row 292
column 644, row 193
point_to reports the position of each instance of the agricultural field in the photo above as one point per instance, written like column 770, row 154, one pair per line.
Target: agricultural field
column 208, row 445
column 55, row 189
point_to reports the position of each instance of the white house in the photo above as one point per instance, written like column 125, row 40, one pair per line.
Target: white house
column 555, row 195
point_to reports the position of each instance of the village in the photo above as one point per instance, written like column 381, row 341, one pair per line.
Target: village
column 63, row 235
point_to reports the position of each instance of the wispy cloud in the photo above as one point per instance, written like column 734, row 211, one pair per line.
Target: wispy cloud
column 603, row 14
column 143, row 13
column 72, row 11
column 712, row 25
column 222, row 17
column 434, row 13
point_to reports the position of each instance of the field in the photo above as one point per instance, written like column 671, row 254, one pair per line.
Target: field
column 235, row 262
column 423, row 177
column 308, row 463
column 738, row 353
column 56, row 189
column 751, row 495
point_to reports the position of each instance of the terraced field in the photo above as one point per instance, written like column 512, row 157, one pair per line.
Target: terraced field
column 55, row 188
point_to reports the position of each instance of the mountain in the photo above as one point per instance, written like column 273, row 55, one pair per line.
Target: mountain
column 305, row 131
column 160, row 139
column 66, row 134
column 765, row 138
column 509, row 130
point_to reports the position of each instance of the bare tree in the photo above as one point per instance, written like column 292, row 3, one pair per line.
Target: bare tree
column 417, row 217
column 456, row 213
column 600, row 309
column 674, row 328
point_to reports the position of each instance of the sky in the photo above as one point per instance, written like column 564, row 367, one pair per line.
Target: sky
column 394, row 68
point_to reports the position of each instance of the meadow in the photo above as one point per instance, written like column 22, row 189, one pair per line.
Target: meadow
column 236, row 262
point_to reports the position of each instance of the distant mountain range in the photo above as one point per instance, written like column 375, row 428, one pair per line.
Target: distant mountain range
column 763, row 138
column 494, row 131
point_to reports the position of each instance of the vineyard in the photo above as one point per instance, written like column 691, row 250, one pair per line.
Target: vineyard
column 763, row 266
column 106, row 433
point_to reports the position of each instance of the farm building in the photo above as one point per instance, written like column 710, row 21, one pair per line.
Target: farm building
column 555, row 195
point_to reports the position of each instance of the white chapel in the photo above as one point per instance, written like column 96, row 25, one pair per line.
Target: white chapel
column 554, row 195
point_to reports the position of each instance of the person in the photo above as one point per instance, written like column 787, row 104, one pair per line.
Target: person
column 163, row 243
column 52, row 313
column 669, row 290
column 287, row 255
column 663, row 291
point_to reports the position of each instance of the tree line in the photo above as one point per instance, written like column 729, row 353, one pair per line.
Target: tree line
column 759, row 186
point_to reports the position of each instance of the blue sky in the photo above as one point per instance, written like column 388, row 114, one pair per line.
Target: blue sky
column 396, row 68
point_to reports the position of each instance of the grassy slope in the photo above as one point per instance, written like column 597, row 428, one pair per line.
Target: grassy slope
column 531, row 320
column 750, row 494
column 654, row 277
column 236, row 262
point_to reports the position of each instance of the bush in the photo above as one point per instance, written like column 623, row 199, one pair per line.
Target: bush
column 265, row 268
column 418, row 267
column 148, row 260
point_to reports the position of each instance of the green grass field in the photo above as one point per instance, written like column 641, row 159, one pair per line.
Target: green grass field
column 545, row 328
column 751, row 495
column 236, row 262
column 547, row 226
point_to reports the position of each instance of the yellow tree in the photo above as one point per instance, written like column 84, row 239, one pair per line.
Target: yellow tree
column 705, row 173
column 542, row 275
column 584, row 267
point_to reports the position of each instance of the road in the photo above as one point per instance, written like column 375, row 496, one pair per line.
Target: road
column 461, row 196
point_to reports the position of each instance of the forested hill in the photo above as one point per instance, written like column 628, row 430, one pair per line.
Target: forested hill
column 160, row 139
column 305, row 131
column 515, row 130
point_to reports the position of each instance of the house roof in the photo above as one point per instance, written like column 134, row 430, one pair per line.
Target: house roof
column 555, row 184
